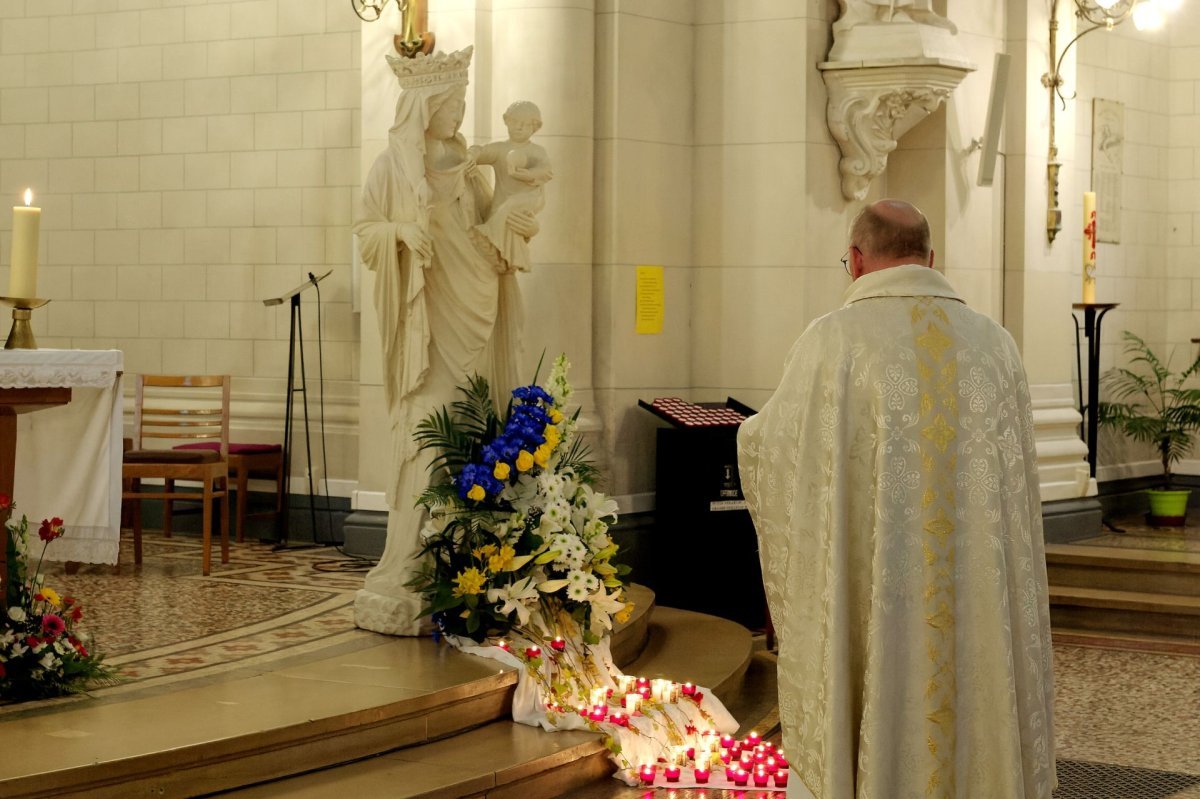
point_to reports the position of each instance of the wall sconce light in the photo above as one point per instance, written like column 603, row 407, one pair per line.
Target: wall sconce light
column 1106, row 14
column 414, row 18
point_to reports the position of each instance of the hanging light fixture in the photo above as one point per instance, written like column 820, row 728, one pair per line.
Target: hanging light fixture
column 413, row 37
column 1106, row 14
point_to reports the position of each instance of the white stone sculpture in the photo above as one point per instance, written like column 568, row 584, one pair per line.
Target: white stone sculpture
column 857, row 12
column 445, row 310
column 522, row 168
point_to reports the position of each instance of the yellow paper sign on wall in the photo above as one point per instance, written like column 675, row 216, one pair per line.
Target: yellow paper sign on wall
column 648, row 312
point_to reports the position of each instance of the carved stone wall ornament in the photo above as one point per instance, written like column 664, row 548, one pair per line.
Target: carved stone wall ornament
column 871, row 108
column 891, row 65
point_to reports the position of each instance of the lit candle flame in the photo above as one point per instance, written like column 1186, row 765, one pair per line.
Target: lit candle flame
column 29, row 196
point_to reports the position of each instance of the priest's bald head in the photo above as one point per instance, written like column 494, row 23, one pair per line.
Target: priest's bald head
column 888, row 233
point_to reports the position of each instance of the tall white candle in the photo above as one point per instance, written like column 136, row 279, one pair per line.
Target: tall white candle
column 22, row 281
column 1089, row 246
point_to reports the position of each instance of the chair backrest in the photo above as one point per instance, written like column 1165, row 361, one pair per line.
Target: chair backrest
column 181, row 407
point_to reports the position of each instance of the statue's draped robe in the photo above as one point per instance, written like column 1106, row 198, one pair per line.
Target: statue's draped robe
column 893, row 483
column 439, row 322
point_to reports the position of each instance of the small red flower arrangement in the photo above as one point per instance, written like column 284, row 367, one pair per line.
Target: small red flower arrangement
column 43, row 652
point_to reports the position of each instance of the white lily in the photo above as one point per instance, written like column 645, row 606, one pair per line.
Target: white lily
column 604, row 607
column 520, row 598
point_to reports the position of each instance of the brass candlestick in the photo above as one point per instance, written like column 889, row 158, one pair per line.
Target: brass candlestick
column 20, row 337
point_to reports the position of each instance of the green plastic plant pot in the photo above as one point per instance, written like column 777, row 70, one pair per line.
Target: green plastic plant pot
column 1168, row 508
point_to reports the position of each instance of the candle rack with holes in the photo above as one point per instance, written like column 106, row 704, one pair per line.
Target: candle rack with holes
column 704, row 548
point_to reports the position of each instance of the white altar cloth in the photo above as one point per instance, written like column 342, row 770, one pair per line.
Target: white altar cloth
column 69, row 457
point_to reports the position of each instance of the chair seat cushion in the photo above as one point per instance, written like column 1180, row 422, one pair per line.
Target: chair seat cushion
column 234, row 449
column 171, row 456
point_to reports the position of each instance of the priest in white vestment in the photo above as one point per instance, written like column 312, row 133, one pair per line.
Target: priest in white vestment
column 893, row 482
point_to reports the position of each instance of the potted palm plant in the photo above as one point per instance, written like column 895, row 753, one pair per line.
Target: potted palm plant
column 1153, row 405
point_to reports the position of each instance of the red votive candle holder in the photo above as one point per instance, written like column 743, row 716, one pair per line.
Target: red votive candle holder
column 646, row 774
column 726, row 757
column 726, row 741
column 701, row 775
column 730, row 771
column 780, row 760
column 771, row 765
column 620, row 719
column 533, row 652
column 746, row 762
column 643, row 681
column 754, row 738
column 688, row 689
column 504, row 645
column 691, row 753
column 558, row 644
column 671, row 773
column 760, row 758
column 741, row 777
column 781, row 778
column 761, row 779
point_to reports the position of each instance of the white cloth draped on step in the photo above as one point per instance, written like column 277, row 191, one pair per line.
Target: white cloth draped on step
column 893, row 482
column 579, row 669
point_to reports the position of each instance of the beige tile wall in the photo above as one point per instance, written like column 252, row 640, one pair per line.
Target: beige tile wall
column 191, row 158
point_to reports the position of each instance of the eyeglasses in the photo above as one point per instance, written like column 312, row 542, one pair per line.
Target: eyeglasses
column 846, row 260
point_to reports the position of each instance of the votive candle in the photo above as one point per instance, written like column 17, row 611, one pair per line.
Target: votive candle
column 632, row 703
column 671, row 773
column 646, row 773
column 558, row 644
column 701, row 775
column 741, row 777
column 761, row 778
column 781, row 778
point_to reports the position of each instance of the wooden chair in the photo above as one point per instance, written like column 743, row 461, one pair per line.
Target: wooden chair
column 190, row 414
column 262, row 461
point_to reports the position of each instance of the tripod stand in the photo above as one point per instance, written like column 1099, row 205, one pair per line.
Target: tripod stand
column 283, row 524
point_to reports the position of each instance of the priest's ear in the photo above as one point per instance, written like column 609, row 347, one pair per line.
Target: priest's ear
column 930, row 264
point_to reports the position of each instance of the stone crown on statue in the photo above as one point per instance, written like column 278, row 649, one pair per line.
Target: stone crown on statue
column 436, row 69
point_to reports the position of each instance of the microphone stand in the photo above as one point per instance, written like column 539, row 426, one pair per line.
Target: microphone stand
column 282, row 524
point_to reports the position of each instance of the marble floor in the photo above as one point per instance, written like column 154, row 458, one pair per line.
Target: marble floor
column 1134, row 713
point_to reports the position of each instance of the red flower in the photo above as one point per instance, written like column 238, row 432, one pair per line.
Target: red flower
column 2, row 671
column 68, row 601
column 79, row 647
column 76, row 613
column 50, row 529
column 53, row 624
column 33, row 642
column 6, row 502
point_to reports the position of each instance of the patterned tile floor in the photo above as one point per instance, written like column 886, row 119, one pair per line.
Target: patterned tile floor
column 1122, row 717
column 164, row 622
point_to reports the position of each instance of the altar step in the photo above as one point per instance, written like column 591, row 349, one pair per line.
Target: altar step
column 422, row 703
column 503, row 760
column 1122, row 590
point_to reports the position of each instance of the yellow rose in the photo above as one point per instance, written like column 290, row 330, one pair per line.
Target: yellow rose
column 469, row 581
column 541, row 456
column 476, row 493
column 524, row 461
column 501, row 471
column 555, row 415
column 551, row 434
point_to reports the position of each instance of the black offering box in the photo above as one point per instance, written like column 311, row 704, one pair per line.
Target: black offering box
column 705, row 550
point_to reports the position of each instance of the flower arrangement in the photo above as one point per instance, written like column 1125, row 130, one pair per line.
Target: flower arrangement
column 43, row 652
column 518, row 535
column 518, row 567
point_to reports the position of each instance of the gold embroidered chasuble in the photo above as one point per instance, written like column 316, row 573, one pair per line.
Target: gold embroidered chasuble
column 893, row 483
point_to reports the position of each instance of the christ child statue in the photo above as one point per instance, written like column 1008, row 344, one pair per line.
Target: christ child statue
column 522, row 168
